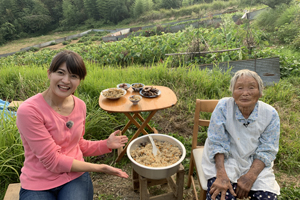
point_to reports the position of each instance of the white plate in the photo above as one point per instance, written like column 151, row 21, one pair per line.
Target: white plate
column 124, row 92
column 159, row 92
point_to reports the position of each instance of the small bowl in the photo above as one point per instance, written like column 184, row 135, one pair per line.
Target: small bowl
column 135, row 88
column 124, row 86
column 135, row 99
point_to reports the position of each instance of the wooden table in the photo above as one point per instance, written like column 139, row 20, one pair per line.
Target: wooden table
column 166, row 99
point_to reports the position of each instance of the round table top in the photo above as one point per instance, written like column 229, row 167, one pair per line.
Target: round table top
column 166, row 99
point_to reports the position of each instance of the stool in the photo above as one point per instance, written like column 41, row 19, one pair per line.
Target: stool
column 141, row 183
column 12, row 192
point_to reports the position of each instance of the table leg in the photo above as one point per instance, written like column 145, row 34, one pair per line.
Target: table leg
column 148, row 126
column 128, row 124
column 141, row 129
column 132, row 120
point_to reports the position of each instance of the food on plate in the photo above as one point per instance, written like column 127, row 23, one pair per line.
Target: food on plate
column 169, row 154
column 123, row 85
column 150, row 91
column 113, row 93
column 137, row 85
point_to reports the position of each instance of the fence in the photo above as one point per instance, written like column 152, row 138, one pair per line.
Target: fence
column 267, row 68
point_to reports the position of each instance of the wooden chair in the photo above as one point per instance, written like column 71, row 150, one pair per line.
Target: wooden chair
column 197, row 151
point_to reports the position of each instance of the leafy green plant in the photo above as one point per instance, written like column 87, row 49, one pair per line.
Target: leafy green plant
column 66, row 42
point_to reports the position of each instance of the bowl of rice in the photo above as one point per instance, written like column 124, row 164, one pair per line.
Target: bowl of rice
column 135, row 99
column 164, row 164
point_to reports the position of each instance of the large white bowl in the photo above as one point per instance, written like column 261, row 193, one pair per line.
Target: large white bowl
column 155, row 172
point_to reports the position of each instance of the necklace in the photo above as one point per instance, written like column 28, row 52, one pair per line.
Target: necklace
column 58, row 108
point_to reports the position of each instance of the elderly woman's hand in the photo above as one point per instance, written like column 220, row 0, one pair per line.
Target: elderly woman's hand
column 244, row 184
column 115, row 142
column 221, row 185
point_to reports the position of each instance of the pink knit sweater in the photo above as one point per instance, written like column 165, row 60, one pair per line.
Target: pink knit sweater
column 50, row 146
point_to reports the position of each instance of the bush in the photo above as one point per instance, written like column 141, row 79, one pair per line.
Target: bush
column 296, row 43
column 286, row 33
column 66, row 42
column 33, row 49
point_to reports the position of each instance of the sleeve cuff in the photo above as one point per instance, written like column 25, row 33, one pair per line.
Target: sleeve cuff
column 212, row 155
column 264, row 160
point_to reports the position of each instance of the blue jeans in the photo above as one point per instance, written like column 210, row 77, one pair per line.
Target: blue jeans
column 80, row 188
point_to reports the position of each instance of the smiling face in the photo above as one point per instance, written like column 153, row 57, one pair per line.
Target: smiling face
column 246, row 93
column 62, row 82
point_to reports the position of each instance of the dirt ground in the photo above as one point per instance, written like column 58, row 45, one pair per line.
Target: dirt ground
column 108, row 187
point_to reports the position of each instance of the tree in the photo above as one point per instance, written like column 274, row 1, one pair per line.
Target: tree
column 73, row 13
column 35, row 23
column 138, row 8
column 7, row 30
column 168, row 4
column 103, row 7
column 91, row 9
column 55, row 9
column 122, row 11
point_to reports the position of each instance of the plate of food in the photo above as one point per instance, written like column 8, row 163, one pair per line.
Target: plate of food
column 124, row 86
column 113, row 93
column 137, row 86
column 150, row 92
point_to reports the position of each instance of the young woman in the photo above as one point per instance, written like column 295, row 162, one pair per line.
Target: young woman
column 52, row 126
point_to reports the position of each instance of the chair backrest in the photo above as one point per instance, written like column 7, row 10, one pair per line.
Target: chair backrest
column 202, row 106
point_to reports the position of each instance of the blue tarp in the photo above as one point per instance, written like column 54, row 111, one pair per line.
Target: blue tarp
column 4, row 112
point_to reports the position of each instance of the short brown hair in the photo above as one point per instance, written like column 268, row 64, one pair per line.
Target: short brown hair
column 74, row 63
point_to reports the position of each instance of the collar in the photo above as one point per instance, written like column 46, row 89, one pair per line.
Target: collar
column 253, row 116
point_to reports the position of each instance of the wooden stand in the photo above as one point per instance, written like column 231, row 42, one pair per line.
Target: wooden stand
column 141, row 183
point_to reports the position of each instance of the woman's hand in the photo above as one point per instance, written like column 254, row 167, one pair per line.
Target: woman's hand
column 113, row 171
column 115, row 142
column 221, row 185
column 244, row 184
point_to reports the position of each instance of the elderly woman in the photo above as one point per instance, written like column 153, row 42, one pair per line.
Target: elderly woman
column 242, row 143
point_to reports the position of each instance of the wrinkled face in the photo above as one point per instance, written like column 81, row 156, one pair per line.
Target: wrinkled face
column 62, row 83
column 246, row 92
